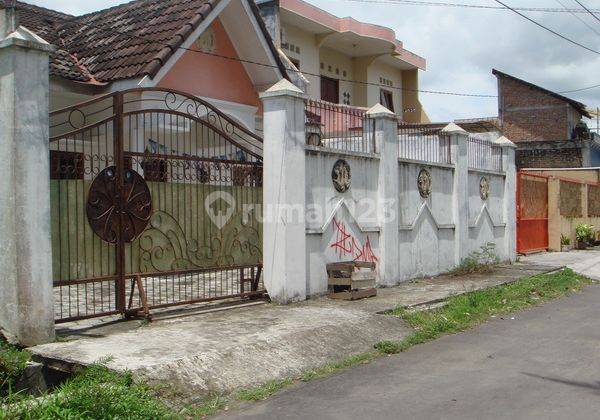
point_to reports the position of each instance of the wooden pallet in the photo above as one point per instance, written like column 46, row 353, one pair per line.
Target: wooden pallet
column 351, row 280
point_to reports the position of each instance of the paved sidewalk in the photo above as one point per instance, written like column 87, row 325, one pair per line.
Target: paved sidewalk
column 582, row 262
column 221, row 351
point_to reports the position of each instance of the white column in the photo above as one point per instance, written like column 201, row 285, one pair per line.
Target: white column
column 284, row 195
column 510, row 197
column 26, row 312
column 385, row 123
column 460, row 197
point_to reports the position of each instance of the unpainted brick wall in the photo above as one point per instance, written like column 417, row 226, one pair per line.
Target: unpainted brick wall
column 549, row 158
column 530, row 115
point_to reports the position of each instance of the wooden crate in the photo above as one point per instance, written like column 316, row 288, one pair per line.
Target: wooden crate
column 351, row 280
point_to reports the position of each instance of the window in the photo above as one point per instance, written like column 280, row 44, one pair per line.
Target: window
column 386, row 98
column 330, row 90
column 66, row 165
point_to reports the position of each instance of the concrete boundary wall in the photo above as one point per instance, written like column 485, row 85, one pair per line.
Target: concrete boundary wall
column 412, row 218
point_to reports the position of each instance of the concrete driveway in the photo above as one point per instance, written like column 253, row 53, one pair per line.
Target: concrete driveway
column 582, row 262
column 541, row 363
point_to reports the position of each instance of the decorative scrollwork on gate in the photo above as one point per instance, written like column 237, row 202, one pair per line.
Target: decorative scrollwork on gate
column 106, row 209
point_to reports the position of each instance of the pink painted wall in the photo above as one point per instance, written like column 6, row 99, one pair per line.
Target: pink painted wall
column 214, row 77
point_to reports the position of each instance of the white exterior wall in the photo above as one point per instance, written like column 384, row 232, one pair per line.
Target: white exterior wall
column 330, row 213
column 379, row 70
column 427, row 227
column 334, row 66
column 308, row 56
column 383, row 218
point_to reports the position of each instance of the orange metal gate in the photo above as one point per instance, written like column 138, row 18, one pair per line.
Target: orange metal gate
column 532, row 213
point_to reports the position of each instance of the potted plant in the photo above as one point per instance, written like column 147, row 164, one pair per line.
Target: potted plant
column 565, row 243
column 584, row 234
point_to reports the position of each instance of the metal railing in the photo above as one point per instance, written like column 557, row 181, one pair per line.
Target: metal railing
column 424, row 142
column 483, row 154
column 339, row 127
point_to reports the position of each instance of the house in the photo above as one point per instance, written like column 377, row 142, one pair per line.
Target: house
column 547, row 127
column 203, row 47
column 345, row 61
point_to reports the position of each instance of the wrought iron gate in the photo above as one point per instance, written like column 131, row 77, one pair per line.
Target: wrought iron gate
column 156, row 201
column 532, row 213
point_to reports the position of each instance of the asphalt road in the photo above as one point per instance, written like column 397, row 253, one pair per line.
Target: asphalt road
column 544, row 363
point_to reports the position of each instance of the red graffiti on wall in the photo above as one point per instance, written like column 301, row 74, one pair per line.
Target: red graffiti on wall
column 346, row 244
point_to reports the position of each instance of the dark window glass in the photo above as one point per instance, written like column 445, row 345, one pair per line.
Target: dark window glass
column 386, row 98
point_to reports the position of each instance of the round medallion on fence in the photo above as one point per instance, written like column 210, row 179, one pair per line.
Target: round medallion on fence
column 424, row 183
column 341, row 176
column 484, row 188
column 105, row 207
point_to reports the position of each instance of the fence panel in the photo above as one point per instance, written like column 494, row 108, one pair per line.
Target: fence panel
column 339, row 127
column 483, row 154
column 424, row 142
column 570, row 199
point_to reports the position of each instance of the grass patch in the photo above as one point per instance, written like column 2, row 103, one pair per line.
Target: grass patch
column 207, row 408
column 263, row 392
column 331, row 368
column 12, row 364
column 468, row 310
column 95, row 393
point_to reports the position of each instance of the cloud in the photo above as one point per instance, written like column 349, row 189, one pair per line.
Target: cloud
column 463, row 45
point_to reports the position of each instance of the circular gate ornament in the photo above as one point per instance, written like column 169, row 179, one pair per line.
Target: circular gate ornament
column 484, row 188
column 341, row 176
column 105, row 208
column 424, row 183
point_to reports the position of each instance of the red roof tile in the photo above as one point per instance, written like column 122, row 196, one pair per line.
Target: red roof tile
column 122, row 42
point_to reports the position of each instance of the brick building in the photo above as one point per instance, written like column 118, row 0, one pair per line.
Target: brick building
column 547, row 127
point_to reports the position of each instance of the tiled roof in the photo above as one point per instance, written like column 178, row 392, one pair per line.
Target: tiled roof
column 126, row 41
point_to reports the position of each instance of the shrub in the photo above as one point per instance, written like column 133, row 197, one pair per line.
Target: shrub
column 584, row 232
column 479, row 261
column 565, row 240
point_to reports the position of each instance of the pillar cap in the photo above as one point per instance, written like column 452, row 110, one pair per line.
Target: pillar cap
column 504, row 142
column 379, row 111
column 283, row 88
column 454, row 129
column 23, row 37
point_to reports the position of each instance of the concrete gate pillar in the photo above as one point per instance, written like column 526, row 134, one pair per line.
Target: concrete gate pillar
column 510, row 197
column 460, row 198
column 26, row 311
column 385, row 124
column 284, row 193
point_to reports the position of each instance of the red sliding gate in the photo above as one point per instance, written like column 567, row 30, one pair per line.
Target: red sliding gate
column 532, row 213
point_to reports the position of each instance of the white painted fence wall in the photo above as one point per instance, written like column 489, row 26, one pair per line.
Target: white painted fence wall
column 423, row 236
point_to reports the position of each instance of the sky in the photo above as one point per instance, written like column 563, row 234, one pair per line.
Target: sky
column 463, row 45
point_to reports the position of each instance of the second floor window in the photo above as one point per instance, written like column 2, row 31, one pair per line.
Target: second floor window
column 386, row 98
column 330, row 90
